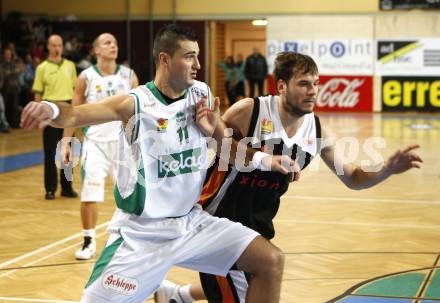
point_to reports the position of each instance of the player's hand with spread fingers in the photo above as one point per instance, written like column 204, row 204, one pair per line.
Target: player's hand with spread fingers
column 403, row 160
column 207, row 119
column 36, row 115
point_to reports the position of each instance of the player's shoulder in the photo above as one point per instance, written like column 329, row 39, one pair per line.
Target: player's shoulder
column 240, row 110
column 124, row 69
column 138, row 90
column 243, row 104
column 199, row 85
column 199, row 89
column 88, row 72
column 125, row 72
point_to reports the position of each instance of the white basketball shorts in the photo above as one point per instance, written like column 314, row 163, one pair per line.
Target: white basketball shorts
column 141, row 251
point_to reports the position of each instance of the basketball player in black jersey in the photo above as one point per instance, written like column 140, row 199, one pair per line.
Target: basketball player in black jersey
column 283, row 124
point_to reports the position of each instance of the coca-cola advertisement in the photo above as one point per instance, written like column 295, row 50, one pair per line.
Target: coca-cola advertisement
column 345, row 94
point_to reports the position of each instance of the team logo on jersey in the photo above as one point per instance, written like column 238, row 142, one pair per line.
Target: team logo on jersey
column 120, row 284
column 266, row 127
column 161, row 125
column 98, row 88
column 185, row 162
column 180, row 118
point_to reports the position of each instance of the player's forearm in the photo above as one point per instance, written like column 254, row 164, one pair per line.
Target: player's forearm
column 83, row 115
column 362, row 178
column 66, row 118
column 68, row 132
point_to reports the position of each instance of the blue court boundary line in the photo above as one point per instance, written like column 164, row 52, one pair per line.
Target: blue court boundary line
column 20, row 161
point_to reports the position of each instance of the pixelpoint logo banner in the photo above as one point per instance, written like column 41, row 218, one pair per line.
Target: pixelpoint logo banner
column 333, row 56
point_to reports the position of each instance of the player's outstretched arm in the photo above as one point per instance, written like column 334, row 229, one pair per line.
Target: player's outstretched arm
column 40, row 114
column 356, row 177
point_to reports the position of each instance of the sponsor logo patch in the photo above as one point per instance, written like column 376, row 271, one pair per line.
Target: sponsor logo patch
column 187, row 161
column 266, row 127
column 120, row 284
column 161, row 125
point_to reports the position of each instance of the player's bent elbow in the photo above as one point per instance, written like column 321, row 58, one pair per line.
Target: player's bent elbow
column 276, row 261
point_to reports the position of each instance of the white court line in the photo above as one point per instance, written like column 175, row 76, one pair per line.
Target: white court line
column 35, row 300
column 4, row 264
column 354, row 199
column 397, row 225
column 7, row 273
column 38, row 211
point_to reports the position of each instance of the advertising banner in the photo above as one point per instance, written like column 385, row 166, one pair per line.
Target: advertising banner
column 420, row 57
column 387, row 5
column 411, row 94
column 345, row 94
column 333, row 56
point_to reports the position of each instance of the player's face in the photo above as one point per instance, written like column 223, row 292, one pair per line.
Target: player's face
column 107, row 47
column 184, row 64
column 301, row 93
column 55, row 46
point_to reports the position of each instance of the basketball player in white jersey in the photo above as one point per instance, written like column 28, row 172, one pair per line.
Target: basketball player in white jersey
column 106, row 78
column 162, row 165
column 285, row 123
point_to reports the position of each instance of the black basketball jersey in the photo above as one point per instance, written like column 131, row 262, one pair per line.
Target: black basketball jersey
column 253, row 198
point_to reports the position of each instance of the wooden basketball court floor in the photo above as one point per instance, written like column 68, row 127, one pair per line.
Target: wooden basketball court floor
column 333, row 237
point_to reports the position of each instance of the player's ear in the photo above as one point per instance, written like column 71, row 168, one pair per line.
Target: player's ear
column 281, row 86
column 164, row 58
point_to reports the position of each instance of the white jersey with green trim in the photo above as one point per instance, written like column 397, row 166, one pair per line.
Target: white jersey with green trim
column 169, row 152
column 99, row 87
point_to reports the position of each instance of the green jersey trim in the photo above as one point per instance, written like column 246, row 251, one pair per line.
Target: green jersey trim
column 95, row 67
column 137, row 116
column 135, row 203
column 150, row 85
column 83, row 170
column 85, row 130
column 106, row 256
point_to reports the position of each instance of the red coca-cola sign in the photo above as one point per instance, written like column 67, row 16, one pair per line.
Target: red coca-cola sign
column 345, row 94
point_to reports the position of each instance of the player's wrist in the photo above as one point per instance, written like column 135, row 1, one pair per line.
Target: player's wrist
column 257, row 160
column 54, row 107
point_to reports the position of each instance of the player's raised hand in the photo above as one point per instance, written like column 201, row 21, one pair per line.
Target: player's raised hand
column 403, row 160
column 36, row 115
column 207, row 119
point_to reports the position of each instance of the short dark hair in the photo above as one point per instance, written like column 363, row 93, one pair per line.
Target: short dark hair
column 168, row 37
column 290, row 64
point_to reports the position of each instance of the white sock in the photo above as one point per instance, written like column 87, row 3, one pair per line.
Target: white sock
column 185, row 294
column 89, row 233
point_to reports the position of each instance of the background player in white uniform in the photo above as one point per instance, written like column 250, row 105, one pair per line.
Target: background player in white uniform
column 156, row 227
column 285, row 123
column 97, row 82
